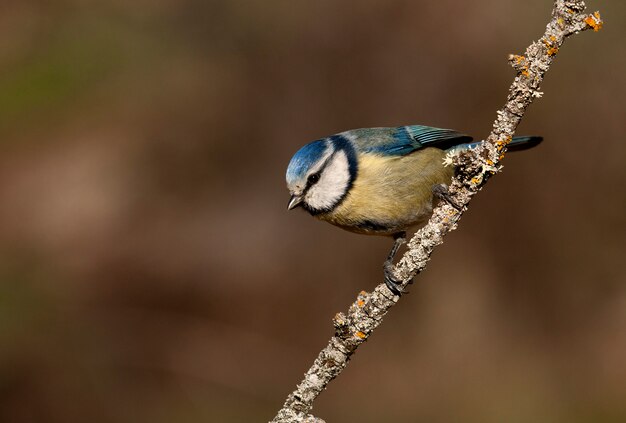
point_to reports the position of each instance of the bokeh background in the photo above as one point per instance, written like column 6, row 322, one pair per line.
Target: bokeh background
column 149, row 270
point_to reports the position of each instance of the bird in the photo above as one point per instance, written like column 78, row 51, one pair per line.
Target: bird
column 379, row 181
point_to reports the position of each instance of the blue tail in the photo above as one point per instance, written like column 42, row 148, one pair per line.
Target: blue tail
column 516, row 144
column 524, row 143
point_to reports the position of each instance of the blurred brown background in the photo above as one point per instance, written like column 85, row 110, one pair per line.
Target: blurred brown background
column 149, row 270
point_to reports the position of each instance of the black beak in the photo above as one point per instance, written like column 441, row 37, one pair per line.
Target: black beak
column 294, row 202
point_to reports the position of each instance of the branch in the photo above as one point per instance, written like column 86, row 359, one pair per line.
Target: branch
column 473, row 169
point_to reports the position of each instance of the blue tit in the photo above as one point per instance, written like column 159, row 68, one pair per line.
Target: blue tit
column 378, row 181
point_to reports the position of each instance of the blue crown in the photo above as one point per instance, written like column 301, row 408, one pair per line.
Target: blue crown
column 302, row 161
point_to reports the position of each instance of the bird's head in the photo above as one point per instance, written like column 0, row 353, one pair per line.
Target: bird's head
column 320, row 174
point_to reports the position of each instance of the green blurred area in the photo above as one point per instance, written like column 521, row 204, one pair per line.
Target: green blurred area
column 149, row 271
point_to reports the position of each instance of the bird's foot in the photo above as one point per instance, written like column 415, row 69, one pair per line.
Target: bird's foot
column 394, row 284
column 441, row 192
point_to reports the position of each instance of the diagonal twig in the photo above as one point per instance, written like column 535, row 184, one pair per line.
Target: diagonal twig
column 474, row 168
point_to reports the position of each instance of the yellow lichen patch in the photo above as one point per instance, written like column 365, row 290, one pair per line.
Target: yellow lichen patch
column 501, row 144
column 525, row 72
column 361, row 335
column 489, row 162
column 518, row 62
column 360, row 303
column 547, row 43
column 594, row 21
column 561, row 22
column 362, row 293
column 504, row 142
column 552, row 51
column 475, row 180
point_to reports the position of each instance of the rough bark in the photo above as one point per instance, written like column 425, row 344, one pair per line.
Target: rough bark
column 474, row 168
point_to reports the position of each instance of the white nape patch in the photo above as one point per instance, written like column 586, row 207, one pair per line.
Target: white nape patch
column 349, row 135
column 327, row 153
column 332, row 184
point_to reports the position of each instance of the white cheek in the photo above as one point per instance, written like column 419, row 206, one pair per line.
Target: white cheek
column 332, row 185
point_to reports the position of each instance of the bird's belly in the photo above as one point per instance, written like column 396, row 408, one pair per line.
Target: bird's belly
column 391, row 194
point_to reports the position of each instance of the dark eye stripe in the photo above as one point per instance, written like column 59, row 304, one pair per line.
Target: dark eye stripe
column 313, row 178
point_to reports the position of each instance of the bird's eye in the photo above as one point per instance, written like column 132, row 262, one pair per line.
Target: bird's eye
column 313, row 178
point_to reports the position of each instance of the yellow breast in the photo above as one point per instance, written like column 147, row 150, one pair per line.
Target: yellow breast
column 391, row 194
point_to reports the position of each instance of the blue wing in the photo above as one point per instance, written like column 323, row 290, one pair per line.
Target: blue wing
column 404, row 140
